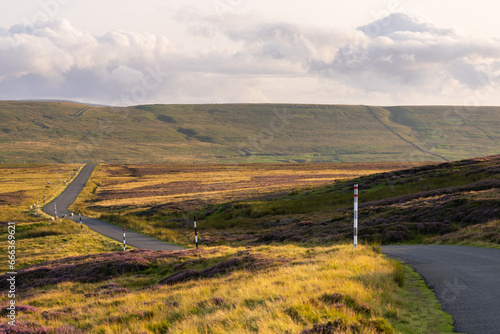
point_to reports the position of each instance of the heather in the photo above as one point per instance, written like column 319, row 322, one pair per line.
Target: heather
column 406, row 205
column 270, row 262
column 265, row 289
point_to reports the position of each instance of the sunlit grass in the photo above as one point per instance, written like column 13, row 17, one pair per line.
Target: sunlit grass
column 142, row 186
column 355, row 289
column 23, row 184
column 39, row 239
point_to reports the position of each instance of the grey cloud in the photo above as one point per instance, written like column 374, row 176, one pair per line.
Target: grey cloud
column 404, row 50
column 401, row 22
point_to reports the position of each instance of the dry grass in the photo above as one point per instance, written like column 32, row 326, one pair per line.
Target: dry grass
column 22, row 184
column 37, row 238
column 259, row 289
column 187, row 187
column 332, row 287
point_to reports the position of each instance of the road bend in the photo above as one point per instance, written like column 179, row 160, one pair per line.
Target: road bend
column 69, row 195
column 466, row 281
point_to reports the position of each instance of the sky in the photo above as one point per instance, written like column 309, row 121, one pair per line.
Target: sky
column 124, row 52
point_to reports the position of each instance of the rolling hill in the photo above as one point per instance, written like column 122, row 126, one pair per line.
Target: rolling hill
column 69, row 132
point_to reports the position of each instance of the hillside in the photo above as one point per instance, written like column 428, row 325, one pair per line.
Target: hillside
column 64, row 132
column 72, row 280
column 454, row 201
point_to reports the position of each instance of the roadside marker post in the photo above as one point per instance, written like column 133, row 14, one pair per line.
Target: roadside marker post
column 355, row 215
column 195, row 233
column 55, row 210
column 80, row 215
column 124, row 244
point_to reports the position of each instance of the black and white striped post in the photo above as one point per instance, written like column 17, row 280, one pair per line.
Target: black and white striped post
column 80, row 216
column 124, row 244
column 195, row 233
column 55, row 210
column 355, row 215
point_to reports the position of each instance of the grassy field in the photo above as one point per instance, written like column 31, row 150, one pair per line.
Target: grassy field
column 71, row 280
column 243, row 133
column 268, row 289
column 37, row 238
column 183, row 187
column 22, row 184
column 426, row 203
column 142, row 196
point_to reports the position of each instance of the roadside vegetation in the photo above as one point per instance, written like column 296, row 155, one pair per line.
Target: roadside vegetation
column 71, row 280
column 264, row 289
column 38, row 238
column 421, row 204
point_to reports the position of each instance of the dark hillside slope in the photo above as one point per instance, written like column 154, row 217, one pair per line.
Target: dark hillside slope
column 400, row 206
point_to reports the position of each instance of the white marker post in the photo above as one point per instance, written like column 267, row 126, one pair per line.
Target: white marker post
column 55, row 210
column 124, row 244
column 195, row 233
column 355, row 215
column 80, row 215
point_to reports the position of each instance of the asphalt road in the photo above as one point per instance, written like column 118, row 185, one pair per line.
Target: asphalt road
column 466, row 280
column 70, row 194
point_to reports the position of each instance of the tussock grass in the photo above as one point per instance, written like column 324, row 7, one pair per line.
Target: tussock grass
column 272, row 288
column 348, row 290
column 41, row 241
column 37, row 238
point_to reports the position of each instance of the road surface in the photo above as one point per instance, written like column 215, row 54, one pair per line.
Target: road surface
column 133, row 239
column 464, row 279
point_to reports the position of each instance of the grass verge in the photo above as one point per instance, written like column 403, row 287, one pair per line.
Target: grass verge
column 264, row 289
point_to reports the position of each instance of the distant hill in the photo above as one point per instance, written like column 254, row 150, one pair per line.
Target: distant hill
column 64, row 132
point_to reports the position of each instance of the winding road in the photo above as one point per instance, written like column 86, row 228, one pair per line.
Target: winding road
column 465, row 280
column 69, row 195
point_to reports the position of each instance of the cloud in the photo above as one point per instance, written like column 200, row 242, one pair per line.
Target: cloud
column 400, row 58
column 402, row 51
column 63, row 57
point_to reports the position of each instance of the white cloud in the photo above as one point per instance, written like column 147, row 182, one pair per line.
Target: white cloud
column 243, row 58
column 403, row 52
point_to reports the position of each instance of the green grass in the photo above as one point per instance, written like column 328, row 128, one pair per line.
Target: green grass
column 238, row 133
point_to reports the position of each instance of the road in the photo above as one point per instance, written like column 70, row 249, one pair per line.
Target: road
column 133, row 239
column 464, row 279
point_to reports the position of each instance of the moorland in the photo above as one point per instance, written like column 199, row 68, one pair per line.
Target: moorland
column 63, row 132
column 271, row 188
column 72, row 280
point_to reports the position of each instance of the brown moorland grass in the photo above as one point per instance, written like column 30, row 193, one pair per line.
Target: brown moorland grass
column 22, row 184
column 184, row 187
column 141, row 196
column 406, row 205
column 266, row 289
column 39, row 239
